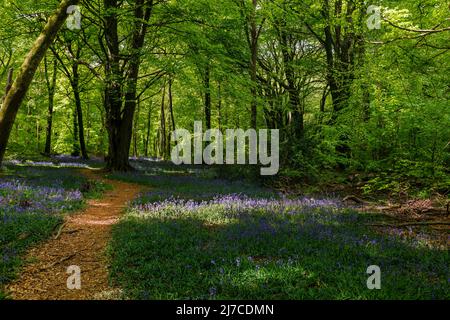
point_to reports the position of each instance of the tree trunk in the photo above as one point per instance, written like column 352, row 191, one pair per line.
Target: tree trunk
column 219, row 106
column 147, row 137
column 79, row 110
column 15, row 96
column 101, row 137
column 51, row 86
column 288, row 52
column 122, row 86
column 75, row 144
column 323, row 100
column 340, row 52
column 5, row 66
column 207, row 87
column 8, row 86
column 38, row 135
column 136, row 130
column 172, row 117
column 253, row 66
column 162, row 147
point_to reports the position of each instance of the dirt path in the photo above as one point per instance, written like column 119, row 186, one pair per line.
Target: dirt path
column 82, row 243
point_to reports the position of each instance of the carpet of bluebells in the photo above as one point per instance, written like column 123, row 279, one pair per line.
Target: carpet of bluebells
column 33, row 199
column 192, row 236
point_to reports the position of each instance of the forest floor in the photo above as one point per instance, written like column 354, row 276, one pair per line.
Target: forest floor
column 171, row 232
column 81, row 241
column 194, row 236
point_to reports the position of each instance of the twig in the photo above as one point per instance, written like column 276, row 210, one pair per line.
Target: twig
column 59, row 261
column 60, row 230
column 62, row 260
column 422, row 32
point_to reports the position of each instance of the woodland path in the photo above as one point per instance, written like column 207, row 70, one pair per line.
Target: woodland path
column 82, row 242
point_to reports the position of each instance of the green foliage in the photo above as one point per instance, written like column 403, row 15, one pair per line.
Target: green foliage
column 24, row 231
column 413, row 178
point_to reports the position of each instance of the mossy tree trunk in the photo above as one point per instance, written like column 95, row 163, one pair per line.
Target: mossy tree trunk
column 51, row 88
column 19, row 88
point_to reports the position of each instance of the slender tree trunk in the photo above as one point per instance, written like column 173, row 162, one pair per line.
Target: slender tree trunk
column 38, row 135
column 331, row 72
column 172, row 117
column 292, row 89
column 76, row 140
column 79, row 109
column 162, row 136
column 297, row 111
column 15, row 96
column 219, row 107
column 360, row 51
column 51, row 86
column 156, row 145
column 323, row 100
column 147, row 137
column 136, row 130
column 254, row 105
column 5, row 66
column 253, row 65
column 252, row 32
column 207, row 87
column 8, row 86
column 101, row 136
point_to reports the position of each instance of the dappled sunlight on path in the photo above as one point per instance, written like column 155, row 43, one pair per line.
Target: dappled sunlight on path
column 81, row 242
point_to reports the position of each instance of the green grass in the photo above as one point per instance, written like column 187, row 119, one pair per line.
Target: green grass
column 282, row 250
column 19, row 234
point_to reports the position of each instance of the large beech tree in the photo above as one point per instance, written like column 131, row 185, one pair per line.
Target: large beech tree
column 121, row 62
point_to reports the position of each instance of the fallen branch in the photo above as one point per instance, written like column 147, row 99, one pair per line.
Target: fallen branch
column 385, row 208
column 51, row 265
column 355, row 199
column 410, row 209
column 411, row 224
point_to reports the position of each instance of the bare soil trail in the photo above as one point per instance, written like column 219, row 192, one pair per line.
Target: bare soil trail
column 81, row 242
